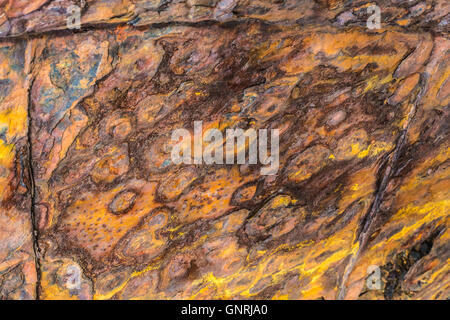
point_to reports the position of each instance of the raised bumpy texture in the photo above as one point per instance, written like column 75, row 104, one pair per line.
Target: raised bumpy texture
column 93, row 208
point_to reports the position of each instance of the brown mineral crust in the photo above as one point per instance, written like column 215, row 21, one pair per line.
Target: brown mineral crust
column 19, row 17
column 268, row 77
column 363, row 175
column 419, row 189
column 18, row 279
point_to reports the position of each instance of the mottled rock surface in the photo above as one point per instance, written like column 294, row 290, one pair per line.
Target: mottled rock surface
column 92, row 207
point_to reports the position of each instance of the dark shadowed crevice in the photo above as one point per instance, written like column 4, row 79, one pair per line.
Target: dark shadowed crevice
column 402, row 263
column 34, row 223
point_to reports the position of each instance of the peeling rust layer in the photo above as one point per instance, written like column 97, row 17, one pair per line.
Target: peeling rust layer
column 93, row 208
column 24, row 18
column 18, row 276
